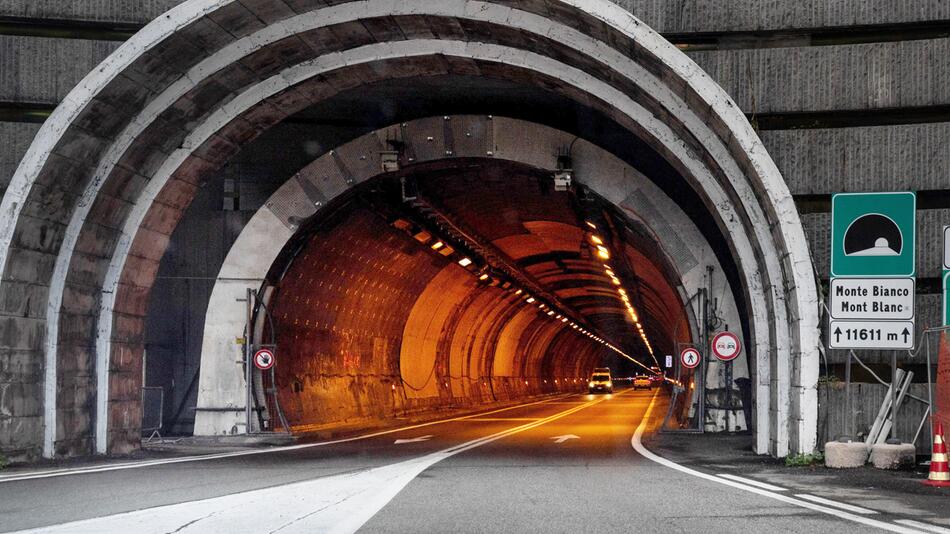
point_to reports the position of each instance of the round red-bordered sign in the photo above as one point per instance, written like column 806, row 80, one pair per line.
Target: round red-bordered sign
column 726, row 346
column 264, row 359
column 690, row 358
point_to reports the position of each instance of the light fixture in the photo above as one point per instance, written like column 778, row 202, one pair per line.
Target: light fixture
column 437, row 245
column 465, row 262
column 483, row 277
column 596, row 240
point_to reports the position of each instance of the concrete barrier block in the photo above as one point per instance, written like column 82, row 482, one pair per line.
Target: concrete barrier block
column 840, row 455
column 898, row 456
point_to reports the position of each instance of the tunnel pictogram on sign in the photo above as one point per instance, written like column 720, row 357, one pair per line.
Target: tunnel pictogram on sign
column 264, row 359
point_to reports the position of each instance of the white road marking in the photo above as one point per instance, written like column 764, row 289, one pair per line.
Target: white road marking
column 637, row 444
column 836, row 504
column 338, row 504
column 927, row 527
column 413, row 440
column 32, row 475
column 751, row 482
column 565, row 437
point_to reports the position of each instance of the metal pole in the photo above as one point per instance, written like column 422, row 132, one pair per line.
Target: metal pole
column 728, row 373
column 894, row 398
column 701, row 413
column 847, row 397
column 930, row 393
column 248, row 354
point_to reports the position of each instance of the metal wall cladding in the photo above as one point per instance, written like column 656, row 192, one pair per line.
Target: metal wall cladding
column 747, row 15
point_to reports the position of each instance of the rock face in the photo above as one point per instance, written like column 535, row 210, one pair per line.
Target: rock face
column 840, row 455
column 887, row 456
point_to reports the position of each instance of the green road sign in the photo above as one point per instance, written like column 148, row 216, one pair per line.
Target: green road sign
column 873, row 234
column 946, row 297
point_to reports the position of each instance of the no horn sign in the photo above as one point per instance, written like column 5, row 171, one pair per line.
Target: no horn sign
column 264, row 359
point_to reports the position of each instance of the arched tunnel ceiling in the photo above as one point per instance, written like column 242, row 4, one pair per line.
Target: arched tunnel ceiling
column 365, row 295
column 513, row 209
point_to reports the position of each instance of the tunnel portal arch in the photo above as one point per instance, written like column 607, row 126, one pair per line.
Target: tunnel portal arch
column 88, row 212
column 265, row 248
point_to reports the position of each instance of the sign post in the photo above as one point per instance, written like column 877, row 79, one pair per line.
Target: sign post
column 873, row 278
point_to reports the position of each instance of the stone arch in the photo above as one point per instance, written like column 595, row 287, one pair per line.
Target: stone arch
column 90, row 208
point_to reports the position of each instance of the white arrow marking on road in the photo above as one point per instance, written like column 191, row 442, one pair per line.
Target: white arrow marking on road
column 565, row 437
column 412, row 440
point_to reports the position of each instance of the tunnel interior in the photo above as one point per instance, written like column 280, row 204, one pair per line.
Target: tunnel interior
column 459, row 284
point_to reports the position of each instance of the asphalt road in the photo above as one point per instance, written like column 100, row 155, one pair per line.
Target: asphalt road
column 566, row 465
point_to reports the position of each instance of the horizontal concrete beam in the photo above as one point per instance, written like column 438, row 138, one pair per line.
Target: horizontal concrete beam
column 866, row 76
column 43, row 70
column 743, row 15
column 881, row 158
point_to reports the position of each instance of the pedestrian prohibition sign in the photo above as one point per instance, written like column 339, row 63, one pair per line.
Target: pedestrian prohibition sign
column 690, row 358
column 726, row 346
column 264, row 359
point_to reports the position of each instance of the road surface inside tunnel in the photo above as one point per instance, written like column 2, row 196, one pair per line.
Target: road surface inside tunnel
column 569, row 464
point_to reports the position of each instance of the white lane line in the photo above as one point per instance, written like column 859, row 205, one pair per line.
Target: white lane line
column 14, row 477
column 836, row 504
column 335, row 504
column 637, row 444
column 751, row 482
column 927, row 527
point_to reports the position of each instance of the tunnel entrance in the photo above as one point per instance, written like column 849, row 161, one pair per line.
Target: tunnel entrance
column 467, row 267
column 117, row 165
column 423, row 290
